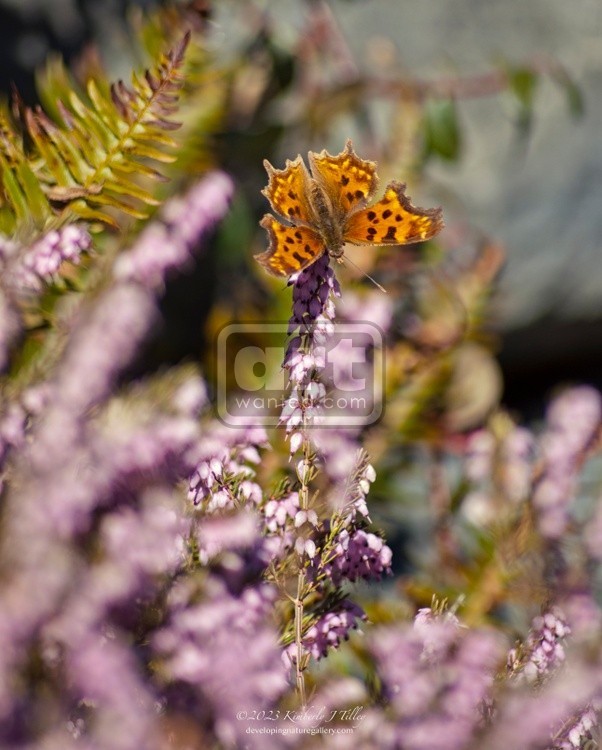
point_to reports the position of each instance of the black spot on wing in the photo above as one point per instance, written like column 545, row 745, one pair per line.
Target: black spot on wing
column 390, row 235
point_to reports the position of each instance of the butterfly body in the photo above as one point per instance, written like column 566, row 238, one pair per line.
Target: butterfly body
column 331, row 207
column 326, row 222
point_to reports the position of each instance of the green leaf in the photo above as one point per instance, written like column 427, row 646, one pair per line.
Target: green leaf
column 36, row 199
column 127, row 187
column 14, row 193
column 85, row 211
column 574, row 95
column 442, row 136
column 523, row 84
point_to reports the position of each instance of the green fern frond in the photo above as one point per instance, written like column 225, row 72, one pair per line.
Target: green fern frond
column 97, row 156
column 21, row 197
column 207, row 85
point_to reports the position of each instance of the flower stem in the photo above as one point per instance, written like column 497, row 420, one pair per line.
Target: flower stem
column 312, row 322
column 299, row 662
column 301, row 579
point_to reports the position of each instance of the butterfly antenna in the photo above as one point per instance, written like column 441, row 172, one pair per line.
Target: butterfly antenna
column 345, row 259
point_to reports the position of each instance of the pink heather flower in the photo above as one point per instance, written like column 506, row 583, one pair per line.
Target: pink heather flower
column 107, row 469
column 583, row 613
column 191, row 397
column 306, row 516
column 573, row 421
column 517, row 456
column 151, row 541
column 281, row 513
column 139, row 549
column 372, row 306
column 31, row 268
column 165, row 247
column 311, row 324
column 77, row 485
column 543, row 651
column 576, row 414
column 165, row 447
column 8, row 249
column 226, row 651
column 436, row 631
column 338, row 448
column 75, row 470
column 224, row 474
column 435, row 702
column 339, row 693
column 15, row 422
column 103, row 672
column 13, row 426
column 354, row 505
column 357, row 554
column 328, row 632
column 36, row 398
column 305, row 547
column 500, row 469
column 480, row 449
column 295, row 442
column 103, row 344
column 190, row 216
column 218, row 534
column 530, row 718
column 577, row 730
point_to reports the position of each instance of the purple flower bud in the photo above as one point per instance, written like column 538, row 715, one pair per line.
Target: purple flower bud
column 315, row 307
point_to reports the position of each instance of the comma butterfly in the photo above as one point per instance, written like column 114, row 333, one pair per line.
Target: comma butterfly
column 330, row 206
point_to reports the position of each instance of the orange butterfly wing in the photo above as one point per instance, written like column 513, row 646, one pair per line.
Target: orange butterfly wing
column 348, row 181
column 336, row 195
column 393, row 220
column 291, row 249
column 287, row 191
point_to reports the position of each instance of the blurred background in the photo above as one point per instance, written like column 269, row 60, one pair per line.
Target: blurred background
column 492, row 110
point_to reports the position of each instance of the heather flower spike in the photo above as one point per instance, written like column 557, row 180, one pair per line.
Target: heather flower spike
column 329, row 551
column 26, row 270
